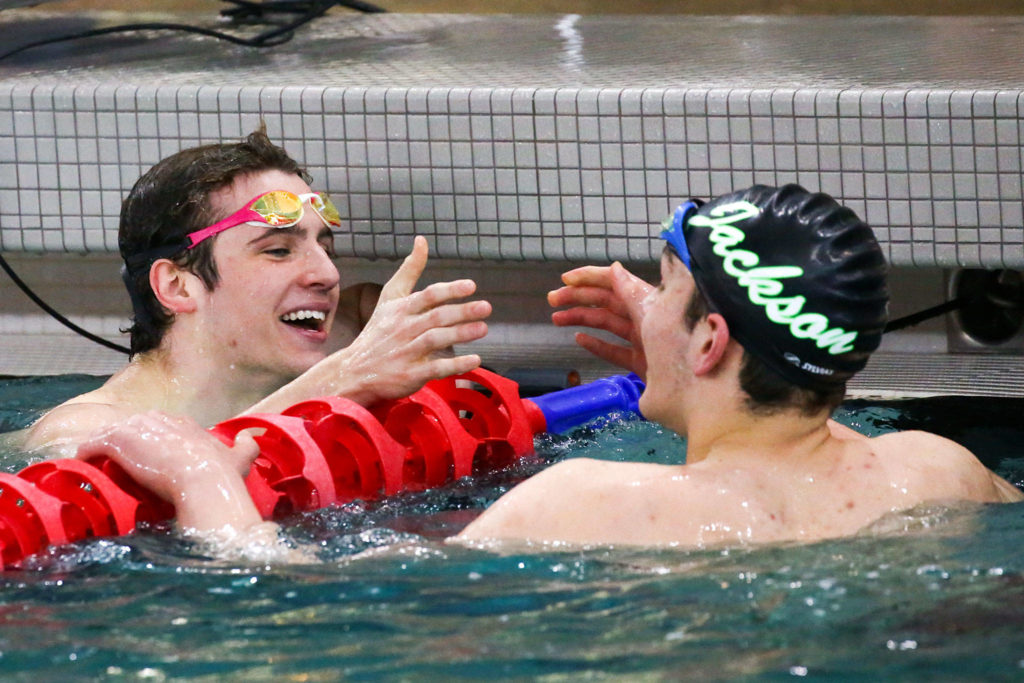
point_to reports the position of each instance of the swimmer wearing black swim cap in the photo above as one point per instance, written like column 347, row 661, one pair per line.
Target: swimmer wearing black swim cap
column 769, row 300
column 800, row 279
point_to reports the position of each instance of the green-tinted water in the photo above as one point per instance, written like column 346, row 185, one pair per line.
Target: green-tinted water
column 934, row 594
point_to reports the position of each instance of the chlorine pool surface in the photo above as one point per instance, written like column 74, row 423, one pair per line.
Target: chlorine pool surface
column 933, row 593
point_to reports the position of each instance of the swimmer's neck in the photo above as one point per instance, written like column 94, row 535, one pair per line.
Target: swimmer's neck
column 164, row 380
column 739, row 437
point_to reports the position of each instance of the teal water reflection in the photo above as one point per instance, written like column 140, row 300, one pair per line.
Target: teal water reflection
column 934, row 593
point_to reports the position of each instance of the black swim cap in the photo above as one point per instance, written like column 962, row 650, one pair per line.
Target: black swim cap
column 800, row 280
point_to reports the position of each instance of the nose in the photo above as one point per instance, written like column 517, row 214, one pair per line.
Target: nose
column 319, row 270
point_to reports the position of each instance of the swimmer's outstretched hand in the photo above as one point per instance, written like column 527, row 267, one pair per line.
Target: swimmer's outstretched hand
column 184, row 464
column 608, row 298
column 405, row 342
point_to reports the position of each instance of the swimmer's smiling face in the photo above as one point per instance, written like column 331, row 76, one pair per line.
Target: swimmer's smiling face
column 272, row 310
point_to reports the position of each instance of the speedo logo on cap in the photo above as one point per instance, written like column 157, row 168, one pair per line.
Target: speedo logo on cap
column 794, row 359
column 764, row 284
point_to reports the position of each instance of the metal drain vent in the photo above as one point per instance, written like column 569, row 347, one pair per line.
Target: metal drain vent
column 991, row 319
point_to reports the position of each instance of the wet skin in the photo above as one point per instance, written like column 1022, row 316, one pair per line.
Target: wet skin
column 259, row 340
column 749, row 478
column 266, row 274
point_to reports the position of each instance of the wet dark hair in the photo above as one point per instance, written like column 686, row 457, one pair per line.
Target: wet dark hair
column 171, row 200
column 767, row 391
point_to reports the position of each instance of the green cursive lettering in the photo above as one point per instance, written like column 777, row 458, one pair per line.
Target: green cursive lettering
column 764, row 283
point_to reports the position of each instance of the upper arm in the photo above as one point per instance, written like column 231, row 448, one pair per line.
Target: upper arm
column 584, row 501
column 947, row 470
column 62, row 429
column 535, row 508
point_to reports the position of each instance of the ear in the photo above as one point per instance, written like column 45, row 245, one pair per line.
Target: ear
column 711, row 341
column 174, row 287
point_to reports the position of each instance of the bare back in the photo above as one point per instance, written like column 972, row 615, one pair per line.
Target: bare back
column 757, row 500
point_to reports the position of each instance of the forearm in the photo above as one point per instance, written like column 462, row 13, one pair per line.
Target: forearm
column 214, row 497
column 216, row 511
column 344, row 373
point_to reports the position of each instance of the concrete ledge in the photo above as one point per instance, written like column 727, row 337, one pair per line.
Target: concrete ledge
column 543, row 138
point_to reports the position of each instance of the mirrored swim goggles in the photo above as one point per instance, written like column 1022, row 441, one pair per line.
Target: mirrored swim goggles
column 674, row 228
column 277, row 209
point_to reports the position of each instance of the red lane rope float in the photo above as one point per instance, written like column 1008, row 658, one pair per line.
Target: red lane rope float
column 429, row 428
column 109, row 509
column 367, row 461
column 290, row 474
column 496, row 416
column 33, row 519
column 316, row 453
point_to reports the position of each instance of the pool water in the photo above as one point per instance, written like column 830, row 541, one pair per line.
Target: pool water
column 934, row 593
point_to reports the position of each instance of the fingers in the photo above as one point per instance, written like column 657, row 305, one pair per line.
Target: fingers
column 586, row 296
column 629, row 289
column 446, row 367
column 611, row 287
column 598, row 318
column 144, row 433
column 429, row 310
column 618, row 355
column 439, row 293
column 400, row 287
column 408, row 274
column 609, row 299
column 112, row 438
column 242, row 454
column 587, row 276
column 446, row 325
column 440, row 338
column 456, row 314
column 94, row 447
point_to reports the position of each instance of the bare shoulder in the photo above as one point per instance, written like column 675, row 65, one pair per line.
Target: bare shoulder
column 560, row 485
column 944, row 465
column 914, row 443
column 550, row 503
column 583, row 501
column 63, row 428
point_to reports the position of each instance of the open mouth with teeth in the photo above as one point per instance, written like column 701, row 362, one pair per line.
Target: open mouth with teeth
column 306, row 319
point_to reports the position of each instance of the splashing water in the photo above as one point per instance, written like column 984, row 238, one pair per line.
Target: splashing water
column 928, row 592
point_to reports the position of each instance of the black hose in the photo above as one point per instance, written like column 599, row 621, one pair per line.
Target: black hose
column 60, row 318
column 269, row 38
column 926, row 314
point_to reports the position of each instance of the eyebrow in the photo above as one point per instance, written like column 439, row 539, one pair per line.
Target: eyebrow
column 294, row 230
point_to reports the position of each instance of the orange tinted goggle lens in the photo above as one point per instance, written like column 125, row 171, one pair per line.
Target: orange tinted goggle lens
column 323, row 205
column 281, row 208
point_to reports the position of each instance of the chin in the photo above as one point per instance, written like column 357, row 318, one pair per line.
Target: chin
column 307, row 361
column 291, row 365
column 647, row 407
